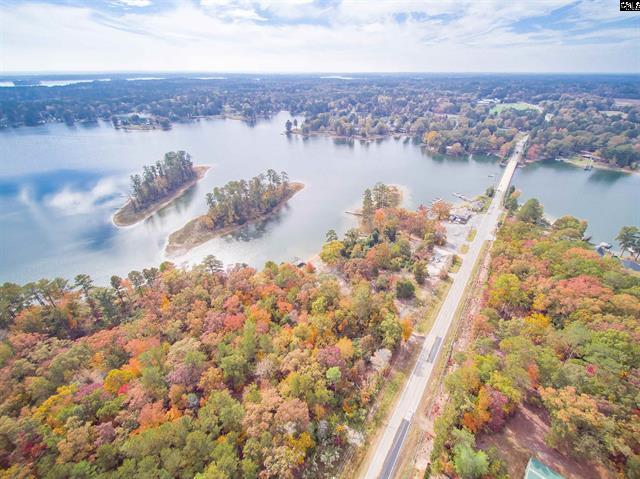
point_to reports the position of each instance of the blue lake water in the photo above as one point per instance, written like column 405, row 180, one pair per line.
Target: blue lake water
column 59, row 186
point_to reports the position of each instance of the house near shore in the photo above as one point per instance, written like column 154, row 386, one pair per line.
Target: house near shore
column 461, row 217
column 587, row 155
column 299, row 263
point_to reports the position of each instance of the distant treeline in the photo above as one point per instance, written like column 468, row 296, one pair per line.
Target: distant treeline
column 179, row 99
column 240, row 201
column 564, row 115
column 159, row 180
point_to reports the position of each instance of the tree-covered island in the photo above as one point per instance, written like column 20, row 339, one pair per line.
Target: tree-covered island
column 159, row 185
column 233, row 205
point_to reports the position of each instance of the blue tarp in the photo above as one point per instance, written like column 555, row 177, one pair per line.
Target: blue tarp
column 631, row 265
column 538, row 470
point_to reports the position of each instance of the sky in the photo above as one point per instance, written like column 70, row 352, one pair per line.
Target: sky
column 318, row 36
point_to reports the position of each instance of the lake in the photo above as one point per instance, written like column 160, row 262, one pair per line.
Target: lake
column 59, row 186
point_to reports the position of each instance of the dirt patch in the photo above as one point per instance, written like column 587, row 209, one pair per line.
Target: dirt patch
column 523, row 437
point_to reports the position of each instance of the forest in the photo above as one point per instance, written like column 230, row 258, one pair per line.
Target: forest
column 240, row 201
column 560, row 333
column 574, row 125
column 461, row 124
column 161, row 179
column 208, row 372
column 188, row 373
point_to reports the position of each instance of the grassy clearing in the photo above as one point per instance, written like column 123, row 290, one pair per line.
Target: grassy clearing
column 455, row 264
column 472, row 235
column 499, row 108
column 577, row 161
column 580, row 162
column 485, row 201
column 433, row 307
column 470, row 283
column 388, row 394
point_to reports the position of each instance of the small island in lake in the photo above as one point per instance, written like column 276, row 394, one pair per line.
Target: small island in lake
column 232, row 206
column 381, row 196
column 159, row 185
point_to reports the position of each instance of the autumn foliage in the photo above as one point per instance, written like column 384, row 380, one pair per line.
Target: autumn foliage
column 189, row 373
column 560, row 329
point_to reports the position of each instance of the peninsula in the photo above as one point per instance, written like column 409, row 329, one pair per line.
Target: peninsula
column 159, row 185
column 233, row 206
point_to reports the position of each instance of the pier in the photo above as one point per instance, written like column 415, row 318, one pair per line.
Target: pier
column 462, row 197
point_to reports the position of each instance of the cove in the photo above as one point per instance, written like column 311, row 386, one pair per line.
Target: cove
column 59, row 186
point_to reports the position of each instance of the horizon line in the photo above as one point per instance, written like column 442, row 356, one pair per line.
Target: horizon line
column 257, row 72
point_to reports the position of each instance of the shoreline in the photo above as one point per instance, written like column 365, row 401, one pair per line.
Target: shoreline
column 116, row 218
column 376, row 138
column 192, row 234
column 400, row 191
column 597, row 166
column 191, row 119
column 334, row 136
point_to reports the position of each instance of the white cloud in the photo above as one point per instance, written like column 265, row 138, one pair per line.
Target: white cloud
column 73, row 202
column 231, row 10
column 356, row 35
column 243, row 14
column 134, row 3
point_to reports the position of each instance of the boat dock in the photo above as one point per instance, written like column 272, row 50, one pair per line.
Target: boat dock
column 462, row 197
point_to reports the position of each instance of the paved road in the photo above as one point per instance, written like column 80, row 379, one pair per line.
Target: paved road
column 390, row 443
